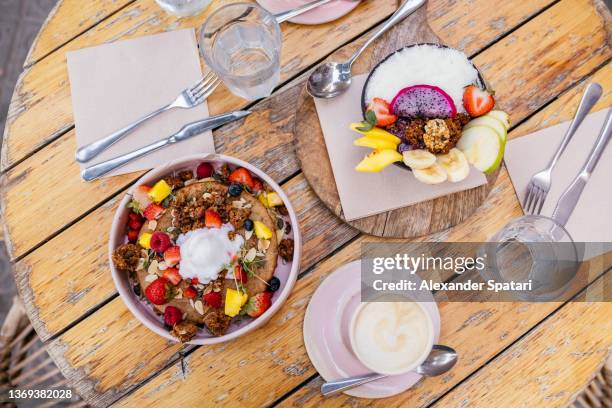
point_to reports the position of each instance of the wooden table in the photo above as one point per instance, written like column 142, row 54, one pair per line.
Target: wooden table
column 537, row 54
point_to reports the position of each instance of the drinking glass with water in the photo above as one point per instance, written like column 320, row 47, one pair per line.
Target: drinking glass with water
column 241, row 43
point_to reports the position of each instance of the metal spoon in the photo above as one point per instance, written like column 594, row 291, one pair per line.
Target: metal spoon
column 440, row 360
column 332, row 78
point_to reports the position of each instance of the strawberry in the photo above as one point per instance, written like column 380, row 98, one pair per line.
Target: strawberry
column 204, row 170
column 160, row 241
column 212, row 219
column 172, row 315
column 258, row 304
column 141, row 197
column 135, row 217
column 173, row 276
column 257, row 185
column 132, row 236
column 172, row 256
column 242, row 176
column 195, row 281
column 382, row 110
column 159, row 291
column 240, row 274
column 190, row 292
column 476, row 101
column 153, row 211
column 213, row 299
column 134, row 224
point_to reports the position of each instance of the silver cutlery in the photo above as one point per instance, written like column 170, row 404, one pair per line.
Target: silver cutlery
column 187, row 131
column 440, row 360
column 538, row 187
column 568, row 200
column 188, row 98
column 332, row 78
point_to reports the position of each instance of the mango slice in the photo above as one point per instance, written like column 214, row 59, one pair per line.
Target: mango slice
column 262, row 231
column 234, row 300
column 378, row 160
column 373, row 143
column 376, row 133
column 145, row 240
column 159, row 191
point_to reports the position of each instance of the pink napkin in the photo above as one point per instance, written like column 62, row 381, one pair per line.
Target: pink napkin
column 365, row 194
column 115, row 84
column 526, row 155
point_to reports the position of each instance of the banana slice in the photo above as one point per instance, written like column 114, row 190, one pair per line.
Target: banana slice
column 455, row 164
column 433, row 174
column 418, row 159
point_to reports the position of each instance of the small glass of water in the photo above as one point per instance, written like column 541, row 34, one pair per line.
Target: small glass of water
column 184, row 8
column 241, row 43
column 533, row 249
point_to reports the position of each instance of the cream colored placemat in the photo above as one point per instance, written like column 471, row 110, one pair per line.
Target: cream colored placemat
column 114, row 84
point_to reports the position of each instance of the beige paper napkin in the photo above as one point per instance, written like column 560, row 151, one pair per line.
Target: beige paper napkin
column 526, row 155
column 114, row 84
column 365, row 194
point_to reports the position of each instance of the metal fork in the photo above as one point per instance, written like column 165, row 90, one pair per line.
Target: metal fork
column 538, row 187
column 188, row 98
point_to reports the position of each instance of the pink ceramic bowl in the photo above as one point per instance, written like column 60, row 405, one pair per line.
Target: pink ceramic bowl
column 286, row 272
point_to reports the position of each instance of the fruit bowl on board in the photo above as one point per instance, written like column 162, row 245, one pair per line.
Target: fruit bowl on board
column 426, row 108
column 204, row 249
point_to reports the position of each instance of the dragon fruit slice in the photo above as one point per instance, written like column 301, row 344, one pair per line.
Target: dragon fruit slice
column 426, row 101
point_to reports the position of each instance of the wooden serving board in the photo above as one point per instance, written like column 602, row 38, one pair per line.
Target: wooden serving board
column 408, row 222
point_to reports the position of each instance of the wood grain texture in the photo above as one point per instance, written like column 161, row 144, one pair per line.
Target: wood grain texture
column 420, row 219
column 43, row 89
column 56, row 165
column 66, row 21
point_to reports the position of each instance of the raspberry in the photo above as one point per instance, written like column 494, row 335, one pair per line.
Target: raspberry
column 204, row 170
column 172, row 316
column 160, row 241
column 213, row 299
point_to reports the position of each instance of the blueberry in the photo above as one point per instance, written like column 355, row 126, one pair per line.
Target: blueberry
column 234, row 189
column 280, row 224
column 136, row 289
column 248, row 225
column 274, row 284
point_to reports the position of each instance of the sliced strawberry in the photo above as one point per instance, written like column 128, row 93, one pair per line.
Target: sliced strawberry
column 213, row 299
column 141, row 196
column 382, row 110
column 476, row 101
column 172, row 256
column 195, row 281
column 132, row 236
column 172, row 315
column 153, row 211
column 212, row 219
column 240, row 274
column 190, row 292
column 242, row 176
column 173, row 276
column 258, row 304
column 159, row 291
column 135, row 217
column 134, row 225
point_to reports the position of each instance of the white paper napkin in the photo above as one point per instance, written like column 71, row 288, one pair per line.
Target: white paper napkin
column 591, row 220
column 365, row 194
column 114, row 84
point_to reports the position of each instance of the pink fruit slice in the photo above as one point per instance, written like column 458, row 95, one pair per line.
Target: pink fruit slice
column 426, row 101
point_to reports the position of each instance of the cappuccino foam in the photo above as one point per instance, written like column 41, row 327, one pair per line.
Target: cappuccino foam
column 392, row 337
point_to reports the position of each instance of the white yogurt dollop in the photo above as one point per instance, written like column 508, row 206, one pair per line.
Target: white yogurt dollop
column 207, row 251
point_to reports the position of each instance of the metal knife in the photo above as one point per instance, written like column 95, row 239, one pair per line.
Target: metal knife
column 568, row 200
column 187, row 131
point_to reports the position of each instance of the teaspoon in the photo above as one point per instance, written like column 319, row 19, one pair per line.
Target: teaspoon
column 440, row 360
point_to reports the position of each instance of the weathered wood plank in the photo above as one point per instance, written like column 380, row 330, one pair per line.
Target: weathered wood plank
column 549, row 366
column 43, row 89
column 55, row 165
column 66, row 21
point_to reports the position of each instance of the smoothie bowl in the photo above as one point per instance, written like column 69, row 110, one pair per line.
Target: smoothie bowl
column 204, row 249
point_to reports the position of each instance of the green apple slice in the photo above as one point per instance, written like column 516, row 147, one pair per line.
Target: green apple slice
column 491, row 122
column 502, row 116
column 482, row 147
